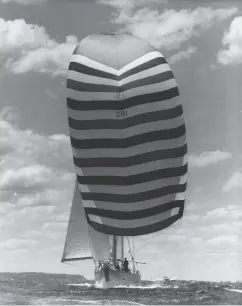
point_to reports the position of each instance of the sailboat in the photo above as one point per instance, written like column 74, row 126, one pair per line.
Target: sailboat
column 129, row 147
column 106, row 251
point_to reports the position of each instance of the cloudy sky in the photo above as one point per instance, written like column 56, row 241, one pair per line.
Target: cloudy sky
column 202, row 41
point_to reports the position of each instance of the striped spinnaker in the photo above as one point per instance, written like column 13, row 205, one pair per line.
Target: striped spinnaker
column 127, row 134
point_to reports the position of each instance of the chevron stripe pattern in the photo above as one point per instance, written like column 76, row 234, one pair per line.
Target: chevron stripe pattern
column 127, row 134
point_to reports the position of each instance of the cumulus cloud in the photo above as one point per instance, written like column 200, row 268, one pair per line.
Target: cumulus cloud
column 232, row 44
column 170, row 28
column 224, row 241
column 36, row 182
column 208, row 158
column 230, row 212
column 18, row 243
column 235, row 181
column 27, row 47
column 185, row 54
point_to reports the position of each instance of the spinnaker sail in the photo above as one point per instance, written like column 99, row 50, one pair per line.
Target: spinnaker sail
column 128, row 135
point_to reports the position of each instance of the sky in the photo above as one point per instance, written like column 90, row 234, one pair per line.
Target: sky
column 202, row 42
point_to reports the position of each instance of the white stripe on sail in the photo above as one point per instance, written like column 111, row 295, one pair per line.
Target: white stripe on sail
column 134, row 169
column 132, row 111
column 77, row 58
column 132, row 223
column 132, row 189
column 131, row 151
column 86, row 78
column 80, row 59
column 145, row 74
column 112, row 96
column 136, row 205
column 96, row 219
column 90, row 79
column 120, row 134
column 139, row 61
column 174, row 211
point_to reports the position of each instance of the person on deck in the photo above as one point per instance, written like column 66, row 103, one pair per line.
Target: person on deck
column 126, row 265
column 117, row 267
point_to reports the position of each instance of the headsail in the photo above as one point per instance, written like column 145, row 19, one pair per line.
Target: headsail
column 99, row 245
column 127, row 134
column 77, row 242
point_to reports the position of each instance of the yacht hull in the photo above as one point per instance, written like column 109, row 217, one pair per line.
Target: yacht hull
column 116, row 278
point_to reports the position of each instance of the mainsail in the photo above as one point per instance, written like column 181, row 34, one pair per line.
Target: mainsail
column 127, row 134
column 77, row 240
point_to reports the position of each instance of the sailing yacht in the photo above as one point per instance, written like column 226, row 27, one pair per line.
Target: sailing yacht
column 113, row 271
column 128, row 140
column 106, row 251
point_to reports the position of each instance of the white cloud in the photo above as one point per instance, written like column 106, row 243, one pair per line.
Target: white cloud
column 232, row 42
column 36, row 181
column 28, row 47
column 171, row 28
column 230, row 212
column 185, row 54
column 17, row 34
column 53, row 60
column 235, row 181
column 18, row 243
column 224, row 241
column 208, row 158
column 25, row 1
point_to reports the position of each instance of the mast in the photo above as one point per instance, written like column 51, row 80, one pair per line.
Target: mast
column 122, row 248
column 114, row 250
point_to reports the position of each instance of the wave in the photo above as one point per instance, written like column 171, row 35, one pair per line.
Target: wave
column 235, row 290
column 63, row 301
column 142, row 287
column 88, row 285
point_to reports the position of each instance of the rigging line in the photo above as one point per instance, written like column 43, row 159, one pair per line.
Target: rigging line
column 130, row 250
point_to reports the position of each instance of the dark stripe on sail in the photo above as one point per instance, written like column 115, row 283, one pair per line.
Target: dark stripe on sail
column 129, row 141
column 126, row 122
column 136, row 214
column 74, row 66
column 124, row 103
column 135, row 197
column 143, row 230
column 132, row 160
column 153, row 79
column 91, row 71
column 147, row 65
column 133, row 179
column 90, row 87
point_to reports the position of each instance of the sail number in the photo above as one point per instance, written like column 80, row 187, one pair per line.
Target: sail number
column 123, row 113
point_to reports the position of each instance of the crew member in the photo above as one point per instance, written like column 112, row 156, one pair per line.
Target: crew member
column 117, row 267
column 126, row 265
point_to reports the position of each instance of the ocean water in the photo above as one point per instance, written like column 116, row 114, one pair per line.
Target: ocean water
column 51, row 289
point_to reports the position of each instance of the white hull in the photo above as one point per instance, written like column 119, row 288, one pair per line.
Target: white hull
column 116, row 278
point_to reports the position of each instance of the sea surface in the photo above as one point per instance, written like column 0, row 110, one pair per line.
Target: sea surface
column 52, row 289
